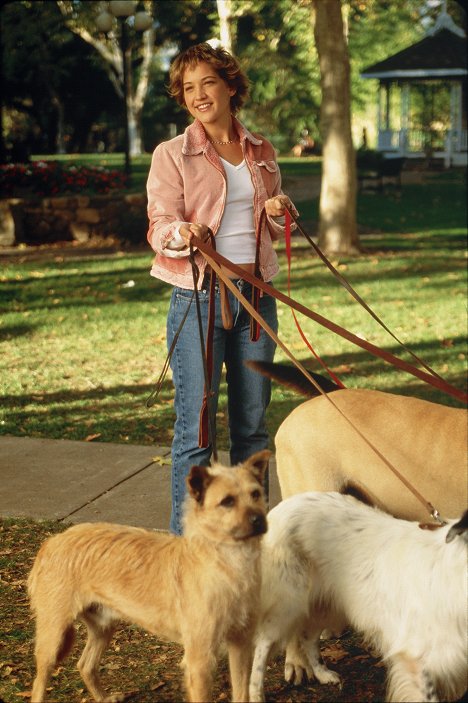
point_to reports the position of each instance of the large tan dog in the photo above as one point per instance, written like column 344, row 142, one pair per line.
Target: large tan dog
column 201, row 589
column 317, row 449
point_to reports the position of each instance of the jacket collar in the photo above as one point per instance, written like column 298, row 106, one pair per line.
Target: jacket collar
column 196, row 141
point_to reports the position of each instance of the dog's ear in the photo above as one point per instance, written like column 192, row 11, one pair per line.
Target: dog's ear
column 258, row 464
column 198, row 481
column 460, row 528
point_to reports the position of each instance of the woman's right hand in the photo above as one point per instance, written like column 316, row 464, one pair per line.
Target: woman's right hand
column 200, row 231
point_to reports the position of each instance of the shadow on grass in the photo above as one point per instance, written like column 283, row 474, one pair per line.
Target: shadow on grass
column 129, row 284
column 9, row 332
column 119, row 413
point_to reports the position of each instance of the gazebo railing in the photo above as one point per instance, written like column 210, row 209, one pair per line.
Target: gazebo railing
column 388, row 140
column 422, row 141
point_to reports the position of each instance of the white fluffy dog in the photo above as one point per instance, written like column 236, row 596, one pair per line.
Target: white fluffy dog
column 329, row 560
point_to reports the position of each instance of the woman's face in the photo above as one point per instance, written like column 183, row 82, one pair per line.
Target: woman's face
column 207, row 96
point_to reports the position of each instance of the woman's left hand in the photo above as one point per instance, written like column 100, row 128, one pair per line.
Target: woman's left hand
column 275, row 207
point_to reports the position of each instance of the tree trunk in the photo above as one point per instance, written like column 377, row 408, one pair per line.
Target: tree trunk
column 60, row 134
column 224, row 8
column 337, row 223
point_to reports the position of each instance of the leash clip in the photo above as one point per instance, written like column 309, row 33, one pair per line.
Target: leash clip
column 437, row 517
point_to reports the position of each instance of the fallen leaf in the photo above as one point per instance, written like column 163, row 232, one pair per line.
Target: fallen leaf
column 91, row 437
column 334, row 652
column 342, row 368
column 157, row 686
column 161, row 460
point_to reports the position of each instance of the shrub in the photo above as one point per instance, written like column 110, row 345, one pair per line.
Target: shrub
column 52, row 178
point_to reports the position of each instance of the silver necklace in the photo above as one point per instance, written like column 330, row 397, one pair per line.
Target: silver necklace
column 230, row 141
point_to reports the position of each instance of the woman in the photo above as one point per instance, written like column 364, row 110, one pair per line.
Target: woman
column 217, row 176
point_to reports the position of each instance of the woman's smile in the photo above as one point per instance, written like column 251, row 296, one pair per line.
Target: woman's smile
column 206, row 94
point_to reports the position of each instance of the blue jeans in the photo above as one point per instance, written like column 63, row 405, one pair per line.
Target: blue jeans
column 248, row 391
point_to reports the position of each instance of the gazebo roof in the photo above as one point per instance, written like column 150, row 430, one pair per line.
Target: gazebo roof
column 440, row 55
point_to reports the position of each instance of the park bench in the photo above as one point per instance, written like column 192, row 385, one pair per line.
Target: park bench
column 375, row 170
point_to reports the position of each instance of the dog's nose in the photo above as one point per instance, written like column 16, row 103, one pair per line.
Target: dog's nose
column 258, row 522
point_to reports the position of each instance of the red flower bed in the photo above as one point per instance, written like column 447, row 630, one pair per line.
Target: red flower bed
column 51, row 178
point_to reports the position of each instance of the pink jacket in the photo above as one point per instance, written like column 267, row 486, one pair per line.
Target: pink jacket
column 187, row 183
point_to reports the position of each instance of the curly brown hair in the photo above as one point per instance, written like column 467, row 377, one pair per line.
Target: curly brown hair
column 226, row 66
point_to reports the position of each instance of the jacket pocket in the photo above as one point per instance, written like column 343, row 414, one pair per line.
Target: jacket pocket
column 271, row 166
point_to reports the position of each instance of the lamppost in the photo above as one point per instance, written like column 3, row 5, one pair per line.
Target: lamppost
column 122, row 10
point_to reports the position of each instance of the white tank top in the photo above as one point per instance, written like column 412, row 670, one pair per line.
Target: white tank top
column 235, row 238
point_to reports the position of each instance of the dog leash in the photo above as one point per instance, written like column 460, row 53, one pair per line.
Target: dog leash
column 435, row 381
column 259, row 319
column 207, row 429
column 207, row 433
column 299, row 328
column 289, row 215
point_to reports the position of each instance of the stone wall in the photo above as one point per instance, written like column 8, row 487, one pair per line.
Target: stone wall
column 33, row 220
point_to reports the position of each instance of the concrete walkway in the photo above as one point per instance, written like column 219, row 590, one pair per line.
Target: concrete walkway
column 90, row 482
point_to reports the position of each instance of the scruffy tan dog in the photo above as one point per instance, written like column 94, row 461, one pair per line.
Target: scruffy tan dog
column 201, row 589
column 318, row 450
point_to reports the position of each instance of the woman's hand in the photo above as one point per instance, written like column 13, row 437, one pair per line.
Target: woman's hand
column 200, row 231
column 275, row 207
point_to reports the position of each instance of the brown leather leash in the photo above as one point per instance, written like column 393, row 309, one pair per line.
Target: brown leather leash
column 214, row 260
column 436, row 381
column 289, row 215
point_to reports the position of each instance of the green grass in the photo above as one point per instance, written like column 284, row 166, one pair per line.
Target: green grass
column 81, row 349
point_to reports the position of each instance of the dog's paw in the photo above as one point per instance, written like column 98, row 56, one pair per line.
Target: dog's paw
column 114, row 698
column 327, row 676
column 256, row 695
column 295, row 673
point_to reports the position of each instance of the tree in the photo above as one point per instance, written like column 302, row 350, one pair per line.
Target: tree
column 280, row 59
column 80, row 19
column 52, row 88
column 337, row 219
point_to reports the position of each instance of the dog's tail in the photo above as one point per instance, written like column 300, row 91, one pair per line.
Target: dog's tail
column 291, row 376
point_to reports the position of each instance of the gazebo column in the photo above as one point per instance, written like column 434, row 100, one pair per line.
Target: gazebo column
column 453, row 133
column 404, row 117
column 385, row 141
column 458, row 104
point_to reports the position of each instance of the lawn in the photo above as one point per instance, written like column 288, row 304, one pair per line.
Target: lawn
column 83, row 341
column 83, row 338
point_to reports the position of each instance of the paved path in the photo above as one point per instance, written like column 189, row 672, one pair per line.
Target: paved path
column 90, row 482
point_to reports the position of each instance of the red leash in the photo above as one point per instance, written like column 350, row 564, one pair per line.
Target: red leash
column 346, row 284
column 433, row 380
column 287, row 223
column 213, row 261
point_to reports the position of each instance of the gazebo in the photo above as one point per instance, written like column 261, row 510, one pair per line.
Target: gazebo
column 422, row 97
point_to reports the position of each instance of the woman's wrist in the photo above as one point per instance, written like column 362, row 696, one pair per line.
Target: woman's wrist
column 177, row 242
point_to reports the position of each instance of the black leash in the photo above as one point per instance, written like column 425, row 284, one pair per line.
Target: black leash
column 157, row 388
column 208, row 393
column 348, row 287
column 151, row 400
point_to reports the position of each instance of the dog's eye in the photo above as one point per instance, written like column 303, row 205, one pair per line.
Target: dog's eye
column 228, row 502
column 256, row 494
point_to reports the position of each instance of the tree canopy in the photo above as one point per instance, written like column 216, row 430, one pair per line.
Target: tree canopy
column 61, row 93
